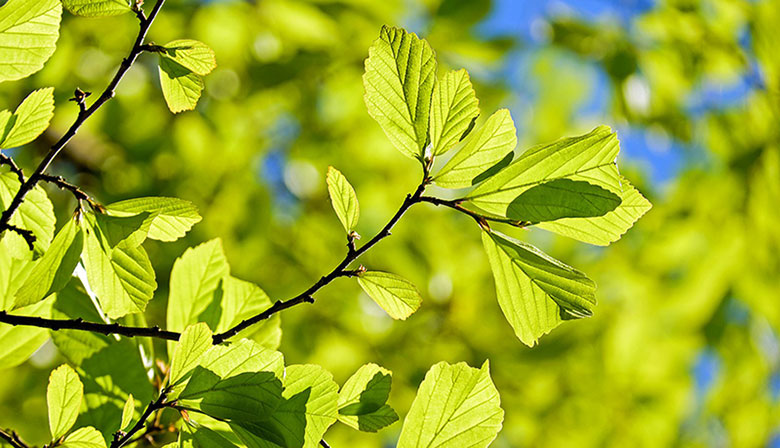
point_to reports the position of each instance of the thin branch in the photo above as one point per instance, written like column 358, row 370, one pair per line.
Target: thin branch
column 28, row 236
column 84, row 114
column 122, row 438
column 79, row 194
column 480, row 218
column 324, row 443
column 80, row 324
column 5, row 160
column 13, row 439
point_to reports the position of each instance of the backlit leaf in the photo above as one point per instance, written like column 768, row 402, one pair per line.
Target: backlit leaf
column 35, row 214
column 396, row 295
column 453, row 109
column 96, row 8
column 30, row 119
column 63, row 398
column 127, row 413
column 180, row 86
column 194, row 341
column 28, row 35
column 87, row 437
column 343, row 199
column 363, row 399
column 193, row 55
column 172, row 217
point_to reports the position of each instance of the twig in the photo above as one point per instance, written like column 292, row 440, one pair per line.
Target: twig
column 13, row 439
column 481, row 219
column 122, row 438
column 62, row 184
column 5, row 160
column 324, row 443
column 80, row 324
column 28, row 236
column 84, row 114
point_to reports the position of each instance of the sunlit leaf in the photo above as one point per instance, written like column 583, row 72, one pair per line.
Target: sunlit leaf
column 35, row 214
column 87, row 437
column 399, row 78
column 63, row 397
column 193, row 55
column 456, row 406
column 343, row 199
column 30, row 119
column 19, row 343
column 454, row 107
column 561, row 198
column 194, row 341
column 127, row 413
column 363, row 399
column 535, row 291
column 484, row 148
column 130, row 231
column 96, row 8
column 180, row 86
column 202, row 437
column 238, row 300
column 28, row 33
column 172, row 217
column 396, row 295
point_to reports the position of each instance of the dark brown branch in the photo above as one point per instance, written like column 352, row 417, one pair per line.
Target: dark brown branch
column 79, row 324
column 28, row 236
column 338, row 271
column 324, row 443
column 13, row 439
column 480, row 218
column 5, row 160
column 84, row 114
column 122, row 438
column 77, row 192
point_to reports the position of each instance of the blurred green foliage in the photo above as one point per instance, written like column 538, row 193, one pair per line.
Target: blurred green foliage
column 683, row 347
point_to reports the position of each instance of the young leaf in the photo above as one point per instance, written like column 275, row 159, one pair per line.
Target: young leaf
column 241, row 300
column 201, row 437
column 396, row 295
column 30, row 119
column 87, row 437
column 483, row 149
column 562, row 198
column 130, row 231
column 399, row 78
column 35, row 214
column 193, row 55
column 343, row 199
column 63, row 397
column 14, row 270
column 180, row 86
column 55, row 268
column 536, row 292
column 195, row 340
column 603, row 230
column 122, row 277
column 96, row 8
column 363, row 399
column 590, row 158
column 28, row 35
column 456, row 405
column 172, row 217
column 453, row 109
column 127, row 413
column 19, row 343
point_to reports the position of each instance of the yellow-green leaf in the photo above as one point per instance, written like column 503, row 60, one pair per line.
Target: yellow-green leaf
column 181, row 87
column 63, row 397
column 96, row 8
column 396, row 295
column 453, row 109
column 28, row 35
column 30, row 119
column 343, row 199
column 191, row 54
column 127, row 412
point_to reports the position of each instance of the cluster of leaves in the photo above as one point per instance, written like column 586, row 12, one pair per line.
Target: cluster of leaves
column 241, row 393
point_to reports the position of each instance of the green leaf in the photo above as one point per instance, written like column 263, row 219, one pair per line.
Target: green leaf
column 30, row 119
column 14, row 270
column 399, row 79
column 363, row 398
column 590, row 158
column 535, row 291
column 180, row 86
column 562, row 198
column 308, row 408
column 202, row 437
column 396, row 295
column 122, row 277
column 128, row 412
column 87, row 437
column 63, row 397
column 28, row 35
column 19, row 343
column 53, row 271
column 172, row 217
column 456, row 406
column 96, row 8
column 241, row 300
column 35, row 214
column 194, row 279
column 606, row 229
column 195, row 340
column 343, row 199
column 483, row 149
column 130, row 231
column 193, row 55
column 236, row 382
column 454, row 108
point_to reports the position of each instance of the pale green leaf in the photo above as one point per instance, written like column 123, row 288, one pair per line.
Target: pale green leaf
column 128, row 412
column 172, row 217
column 28, row 35
column 590, row 158
column 396, row 295
column 456, row 406
column 606, row 229
column 194, row 341
column 483, row 149
column 202, row 437
column 55, row 268
column 121, row 277
column 561, row 198
column 35, row 214
column 20, row 342
column 129, row 231
column 30, row 119
column 63, row 397
column 454, row 108
column 191, row 54
column 96, row 8
column 180, row 86
column 14, row 270
column 241, row 300
column 535, row 291
column 6, row 122
column 343, row 199
column 399, row 78
column 87, row 437
column 363, row 398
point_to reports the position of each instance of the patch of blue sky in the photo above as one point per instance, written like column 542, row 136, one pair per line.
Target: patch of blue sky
column 705, row 371
column 273, row 164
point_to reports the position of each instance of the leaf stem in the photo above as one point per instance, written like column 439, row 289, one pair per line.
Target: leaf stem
column 84, row 113
column 480, row 218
